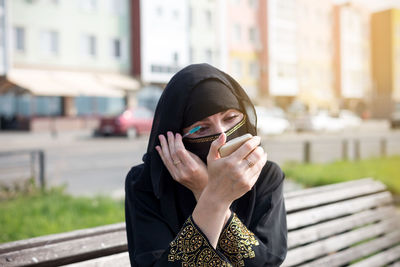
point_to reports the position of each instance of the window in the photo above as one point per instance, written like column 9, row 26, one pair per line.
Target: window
column 49, row 42
column 254, row 70
column 237, row 68
column 19, row 38
column 88, row 5
column 208, row 55
column 116, row 48
column 89, row 45
column 253, row 3
column 117, row 7
column 208, row 18
column 237, row 33
column 175, row 58
column 253, row 35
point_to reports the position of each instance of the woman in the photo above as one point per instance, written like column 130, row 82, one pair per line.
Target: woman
column 187, row 206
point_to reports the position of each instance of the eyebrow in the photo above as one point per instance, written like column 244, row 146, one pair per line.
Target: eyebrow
column 223, row 114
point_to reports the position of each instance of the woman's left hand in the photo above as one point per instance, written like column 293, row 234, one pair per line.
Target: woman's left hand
column 185, row 167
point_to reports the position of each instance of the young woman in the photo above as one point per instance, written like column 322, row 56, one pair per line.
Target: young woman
column 188, row 206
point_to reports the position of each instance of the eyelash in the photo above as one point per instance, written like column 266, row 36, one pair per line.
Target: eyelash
column 204, row 128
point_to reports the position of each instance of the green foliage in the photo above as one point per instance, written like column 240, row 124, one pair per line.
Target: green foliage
column 386, row 169
column 40, row 213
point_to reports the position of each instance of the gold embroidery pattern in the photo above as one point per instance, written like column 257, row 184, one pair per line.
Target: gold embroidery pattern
column 192, row 249
column 236, row 242
column 228, row 133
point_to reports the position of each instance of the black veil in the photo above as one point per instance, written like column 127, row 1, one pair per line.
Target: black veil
column 169, row 113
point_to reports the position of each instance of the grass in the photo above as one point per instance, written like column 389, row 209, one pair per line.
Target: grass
column 40, row 213
column 385, row 169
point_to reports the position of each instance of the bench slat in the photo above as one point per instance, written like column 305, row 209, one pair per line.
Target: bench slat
column 380, row 259
column 327, row 188
column 116, row 260
column 395, row 264
column 357, row 252
column 334, row 195
column 333, row 244
column 326, row 229
column 331, row 211
column 55, row 238
column 69, row 251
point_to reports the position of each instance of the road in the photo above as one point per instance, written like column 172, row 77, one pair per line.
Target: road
column 90, row 166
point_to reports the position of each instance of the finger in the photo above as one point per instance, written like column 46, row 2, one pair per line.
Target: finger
column 171, row 146
column 165, row 149
column 215, row 145
column 158, row 148
column 246, row 148
column 181, row 152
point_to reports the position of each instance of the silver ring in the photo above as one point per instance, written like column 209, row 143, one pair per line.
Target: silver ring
column 176, row 162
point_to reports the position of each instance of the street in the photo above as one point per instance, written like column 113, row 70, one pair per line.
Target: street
column 88, row 165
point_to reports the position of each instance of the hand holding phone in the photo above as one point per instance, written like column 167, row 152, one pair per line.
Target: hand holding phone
column 233, row 144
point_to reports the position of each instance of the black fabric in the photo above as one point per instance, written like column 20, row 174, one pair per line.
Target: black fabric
column 156, row 206
column 170, row 112
column 152, row 223
column 207, row 98
column 201, row 146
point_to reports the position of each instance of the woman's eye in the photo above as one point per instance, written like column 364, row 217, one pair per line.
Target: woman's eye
column 229, row 118
column 202, row 129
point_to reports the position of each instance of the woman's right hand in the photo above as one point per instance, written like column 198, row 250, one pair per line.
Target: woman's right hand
column 232, row 176
column 185, row 167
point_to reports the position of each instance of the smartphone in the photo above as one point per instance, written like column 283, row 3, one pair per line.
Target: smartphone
column 233, row 144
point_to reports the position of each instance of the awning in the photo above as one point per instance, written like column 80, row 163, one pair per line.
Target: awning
column 71, row 83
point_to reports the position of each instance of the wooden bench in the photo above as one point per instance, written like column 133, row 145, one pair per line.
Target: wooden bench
column 347, row 223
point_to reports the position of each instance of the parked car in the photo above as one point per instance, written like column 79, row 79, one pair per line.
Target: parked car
column 320, row 121
column 131, row 123
column 349, row 119
column 271, row 120
column 395, row 118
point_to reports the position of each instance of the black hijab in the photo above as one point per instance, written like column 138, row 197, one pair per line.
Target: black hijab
column 169, row 115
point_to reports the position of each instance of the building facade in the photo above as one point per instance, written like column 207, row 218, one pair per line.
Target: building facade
column 205, row 32
column 282, row 50
column 315, row 54
column 244, row 44
column 352, row 56
column 385, row 39
column 164, row 39
column 75, row 62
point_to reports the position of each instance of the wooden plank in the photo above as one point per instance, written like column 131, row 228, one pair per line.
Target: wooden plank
column 327, row 188
column 380, row 259
column 116, row 260
column 55, row 238
column 331, row 211
column 335, row 195
column 68, row 252
column 333, row 244
column 353, row 253
column 326, row 229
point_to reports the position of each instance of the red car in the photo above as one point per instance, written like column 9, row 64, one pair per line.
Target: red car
column 131, row 123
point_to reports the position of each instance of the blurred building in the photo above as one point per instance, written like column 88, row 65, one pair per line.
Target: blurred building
column 3, row 37
column 162, row 28
column 385, row 39
column 352, row 56
column 67, row 58
column 315, row 54
column 282, row 29
column 244, row 44
column 206, row 32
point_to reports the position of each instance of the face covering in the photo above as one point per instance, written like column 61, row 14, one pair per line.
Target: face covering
column 201, row 146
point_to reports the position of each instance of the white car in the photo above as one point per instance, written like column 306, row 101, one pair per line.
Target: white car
column 271, row 120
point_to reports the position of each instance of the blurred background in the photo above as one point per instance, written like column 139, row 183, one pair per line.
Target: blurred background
column 324, row 76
